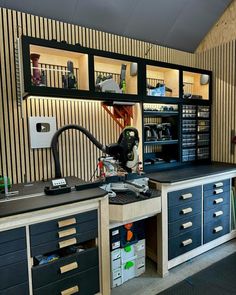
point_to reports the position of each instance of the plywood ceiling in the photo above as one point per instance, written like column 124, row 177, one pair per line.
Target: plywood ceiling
column 179, row 24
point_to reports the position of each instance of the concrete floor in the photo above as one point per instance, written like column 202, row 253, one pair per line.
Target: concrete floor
column 150, row 284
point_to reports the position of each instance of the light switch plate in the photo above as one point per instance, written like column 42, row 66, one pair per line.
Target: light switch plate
column 41, row 130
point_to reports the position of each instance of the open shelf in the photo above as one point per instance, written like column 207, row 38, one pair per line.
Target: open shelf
column 57, row 68
column 195, row 85
column 115, row 76
column 161, row 81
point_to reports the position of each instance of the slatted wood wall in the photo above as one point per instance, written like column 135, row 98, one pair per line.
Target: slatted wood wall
column 78, row 156
column 222, row 61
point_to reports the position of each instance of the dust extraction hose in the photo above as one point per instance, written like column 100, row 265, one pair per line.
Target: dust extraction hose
column 54, row 144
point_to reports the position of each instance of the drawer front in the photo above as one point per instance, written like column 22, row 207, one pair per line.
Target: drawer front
column 184, row 196
column 59, row 224
column 13, row 257
column 63, row 233
column 184, row 210
column 184, row 225
column 13, row 274
column 64, row 267
column 216, row 213
column 215, row 201
column 12, row 246
column 217, row 184
column 217, row 191
column 184, row 243
column 216, row 229
column 85, row 283
column 12, row 235
column 21, row 289
column 62, row 243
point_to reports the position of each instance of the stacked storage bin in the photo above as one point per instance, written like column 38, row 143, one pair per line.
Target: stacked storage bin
column 127, row 252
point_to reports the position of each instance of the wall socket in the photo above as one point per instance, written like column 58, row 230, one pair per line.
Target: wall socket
column 41, row 130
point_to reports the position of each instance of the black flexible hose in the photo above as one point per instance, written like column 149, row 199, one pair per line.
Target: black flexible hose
column 54, row 144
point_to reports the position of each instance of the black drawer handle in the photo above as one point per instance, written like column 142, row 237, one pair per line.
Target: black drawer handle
column 68, row 267
column 70, row 291
column 187, row 224
column 218, row 201
column 67, row 232
column 218, row 184
column 66, row 222
column 218, row 213
column 186, row 196
column 186, row 210
column 218, row 191
column 186, row 242
column 218, row 229
column 66, row 243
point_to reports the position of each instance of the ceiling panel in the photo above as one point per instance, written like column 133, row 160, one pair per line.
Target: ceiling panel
column 180, row 24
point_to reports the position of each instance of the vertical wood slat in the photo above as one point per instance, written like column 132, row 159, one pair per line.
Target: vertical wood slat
column 37, row 164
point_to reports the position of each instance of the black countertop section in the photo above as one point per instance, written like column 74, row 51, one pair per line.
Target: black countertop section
column 186, row 173
column 32, row 203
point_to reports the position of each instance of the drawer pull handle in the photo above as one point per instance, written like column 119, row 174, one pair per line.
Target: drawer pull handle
column 70, row 291
column 218, row 201
column 187, row 224
column 218, row 213
column 66, row 222
column 186, row 210
column 218, row 184
column 218, row 191
column 218, row 229
column 187, row 242
column 186, row 196
column 66, row 243
column 67, row 232
column 68, row 267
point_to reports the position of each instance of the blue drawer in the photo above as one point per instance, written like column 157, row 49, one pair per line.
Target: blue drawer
column 69, row 232
column 55, row 245
column 12, row 235
column 13, row 257
column 59, row 224
column 184, row 225
column 52, row 272
column 184, row 243
column 12, row 246
column 215, row 201
column 184, row 196
column 21, row 289
column 13, row 274
column 184, row 210
column 216, row 191
column 87, row 283
column 216, row 184
column 216, row 229
column 216, row 213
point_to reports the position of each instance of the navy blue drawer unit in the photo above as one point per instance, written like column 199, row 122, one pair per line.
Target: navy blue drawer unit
column 84, row 283
column 184, row 196
column 184, row 220
column 183, row 243
column 76, row 273
column 185, row 224
column 216, row 210
column 13, row 263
